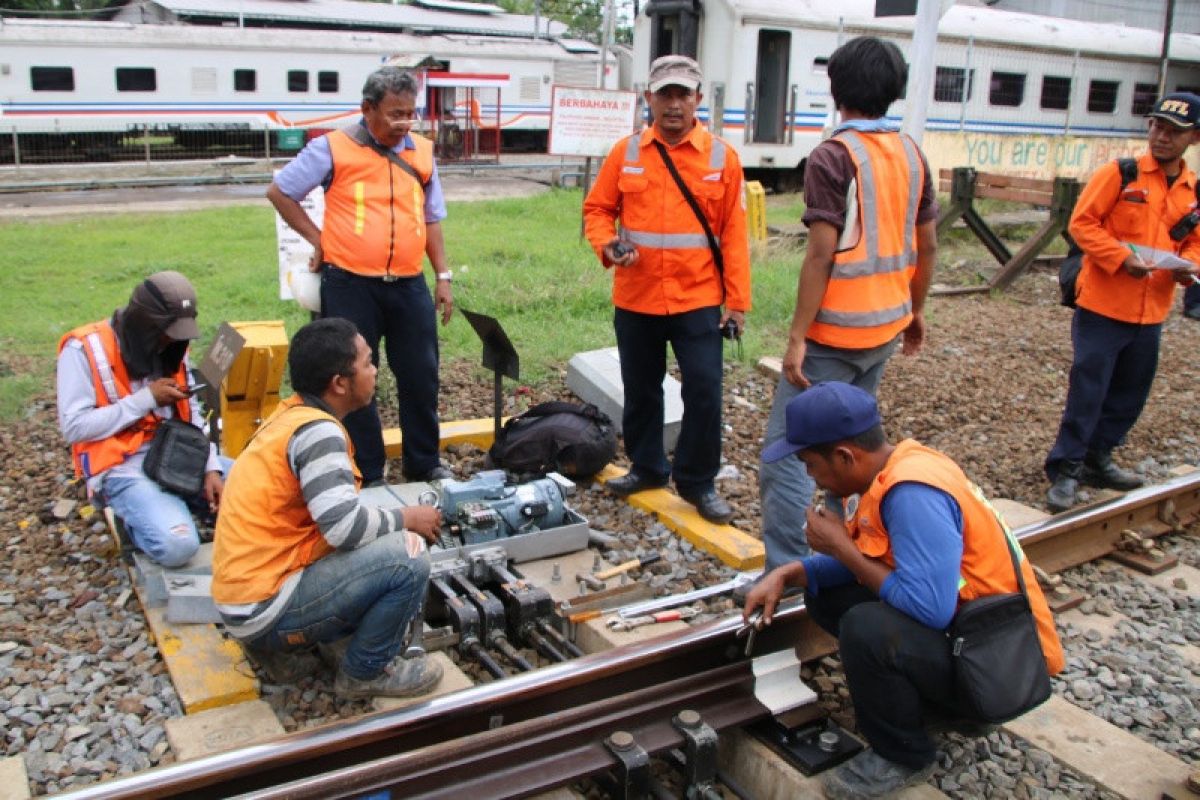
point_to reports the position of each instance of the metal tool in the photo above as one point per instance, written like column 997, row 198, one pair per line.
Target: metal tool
column 629, row 623
column 750, row 629
column 636, row 563
column 670, row 601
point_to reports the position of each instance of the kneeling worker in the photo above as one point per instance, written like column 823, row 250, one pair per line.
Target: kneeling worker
column 298, row 558
column 888, row 581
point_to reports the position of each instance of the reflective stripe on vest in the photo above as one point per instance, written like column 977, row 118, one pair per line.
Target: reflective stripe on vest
column 103, row 367
column 670, row 241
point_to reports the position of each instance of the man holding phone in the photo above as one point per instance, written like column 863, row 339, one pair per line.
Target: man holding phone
column 118, row 379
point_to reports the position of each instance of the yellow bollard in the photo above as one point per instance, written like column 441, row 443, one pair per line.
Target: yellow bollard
column 756, row 211
column 250, row 390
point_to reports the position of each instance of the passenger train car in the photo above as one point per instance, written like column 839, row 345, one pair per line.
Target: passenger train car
column 88, row 84
column 998, row 73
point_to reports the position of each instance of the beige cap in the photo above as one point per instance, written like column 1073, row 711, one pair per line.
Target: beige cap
column 675, row 71
column 170, row 301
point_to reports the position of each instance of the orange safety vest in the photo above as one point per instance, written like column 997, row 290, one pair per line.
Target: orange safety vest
column 869, row 297
column 986, row 564
column 375, row 211
column 264, row 532
column 1107, row 219
column 111, row 382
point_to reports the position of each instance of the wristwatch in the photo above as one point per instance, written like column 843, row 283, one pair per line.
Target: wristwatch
column 448, row 275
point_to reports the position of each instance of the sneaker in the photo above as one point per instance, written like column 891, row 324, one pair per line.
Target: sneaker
column 404, row 677
column 870, row 775
column 285, row 667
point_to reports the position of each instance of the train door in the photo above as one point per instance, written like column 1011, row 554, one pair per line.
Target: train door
column 674, row 27
column 769, row 96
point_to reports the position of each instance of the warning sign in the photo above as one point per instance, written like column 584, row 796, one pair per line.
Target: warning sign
column 587, row 122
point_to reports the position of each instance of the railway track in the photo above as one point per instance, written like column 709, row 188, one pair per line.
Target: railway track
column 603, row 714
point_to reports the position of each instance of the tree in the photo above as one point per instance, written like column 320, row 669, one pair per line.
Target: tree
column 583, row 18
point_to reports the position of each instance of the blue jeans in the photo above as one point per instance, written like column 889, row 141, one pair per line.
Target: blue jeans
column 1112, row 370
column 784, row 488
column 160, row 523
column 1191, row 298
column 372, row 592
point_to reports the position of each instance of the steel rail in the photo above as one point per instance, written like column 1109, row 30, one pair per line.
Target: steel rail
column 538, row 730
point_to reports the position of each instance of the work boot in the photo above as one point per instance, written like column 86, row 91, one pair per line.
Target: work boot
column 870, row 775
column 633, row 481
column 404, row 677
column 285, row 667
column 1066, row 484
column 710, row 506
column 1100, row 471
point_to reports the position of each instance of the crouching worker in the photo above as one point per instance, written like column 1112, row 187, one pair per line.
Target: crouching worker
column 118, row 380
column 887, row 582
column 299, row 559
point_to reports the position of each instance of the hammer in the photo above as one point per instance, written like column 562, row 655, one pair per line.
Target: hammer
column 636, row 563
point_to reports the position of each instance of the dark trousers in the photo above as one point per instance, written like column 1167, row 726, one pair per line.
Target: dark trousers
column 1191, row 297
column 1111, row 374
column 695, row 338
column 897, row 671
column 401, row 313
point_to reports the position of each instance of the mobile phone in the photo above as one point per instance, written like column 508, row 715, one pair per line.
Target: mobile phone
column 191, row 390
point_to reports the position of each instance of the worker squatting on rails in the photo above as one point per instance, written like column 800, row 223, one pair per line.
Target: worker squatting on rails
column 383, row 212
column 887, row 582
column 1139, row 238
column 118, row 380
column 681, row 253
column 298, row 559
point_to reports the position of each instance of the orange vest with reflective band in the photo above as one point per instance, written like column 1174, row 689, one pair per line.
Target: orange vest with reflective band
column 264, row 531
column 869, row 298
column 111, row 382
column 986, row 564
column 375, row 211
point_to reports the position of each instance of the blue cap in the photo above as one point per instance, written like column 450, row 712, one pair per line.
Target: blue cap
column 1181, row 109
column 827, row 412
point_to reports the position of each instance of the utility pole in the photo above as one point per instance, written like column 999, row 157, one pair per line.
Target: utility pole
column 1166, row 48
column 920, row 72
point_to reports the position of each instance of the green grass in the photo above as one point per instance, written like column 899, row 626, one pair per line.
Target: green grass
column 521, row 261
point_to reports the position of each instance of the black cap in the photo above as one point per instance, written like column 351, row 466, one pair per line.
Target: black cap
column 169, row 300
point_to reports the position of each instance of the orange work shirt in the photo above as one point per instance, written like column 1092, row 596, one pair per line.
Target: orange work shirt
column 1108, row 219
column 675, row 271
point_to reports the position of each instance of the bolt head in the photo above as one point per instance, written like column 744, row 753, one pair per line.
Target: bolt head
column 621, row 740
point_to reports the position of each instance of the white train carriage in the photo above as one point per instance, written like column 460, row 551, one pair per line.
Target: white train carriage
column 997, row 72
column 89, row 83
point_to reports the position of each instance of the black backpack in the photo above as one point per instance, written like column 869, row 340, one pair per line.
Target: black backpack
column 1068, row 270
column 576, row 440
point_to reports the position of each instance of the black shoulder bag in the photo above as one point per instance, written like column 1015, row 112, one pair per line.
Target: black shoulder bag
column 178, row 457
column 999, row 667
column 359, row 133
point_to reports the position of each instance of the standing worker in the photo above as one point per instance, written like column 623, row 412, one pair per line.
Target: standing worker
column 681, row 253
column 1124, row 230
column 871, row 213
column 383, row 213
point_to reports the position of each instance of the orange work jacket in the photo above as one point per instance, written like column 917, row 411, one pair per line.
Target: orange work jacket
column 1108, row 219
column 375, row 211
column 869, row 297
column 264, row 532
column 675, row 271
column 987, row 567
column 111, row 382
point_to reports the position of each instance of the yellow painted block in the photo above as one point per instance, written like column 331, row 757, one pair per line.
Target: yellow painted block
column 250, row 390
column 479, row 432
column 756, row 211
column 208, row 670
column 735, row 548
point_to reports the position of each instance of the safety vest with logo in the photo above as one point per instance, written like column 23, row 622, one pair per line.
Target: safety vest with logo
column 264, row 531
column 1109, row 221
column 869, row 298
column 375, row 211
column 987, row 567
column 111, row 382
column 675, row 272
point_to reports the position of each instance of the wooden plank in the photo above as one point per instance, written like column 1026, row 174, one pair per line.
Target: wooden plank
column 1111, row 757
column 14, row 781
column 1015, row 195
column 219, row 730
column 479, row 432
column 1014, row 181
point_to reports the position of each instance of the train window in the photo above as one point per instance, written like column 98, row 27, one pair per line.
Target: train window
column 297, row 80
column 136, row 79
column 1192, row 89
column 1102, row 97
column 245, row 80
column 1056, row 92
column 327, row 82
column 52, row 79
column 953, row 84
column 1007, row 89
column 1144, row 95
column 821, row 65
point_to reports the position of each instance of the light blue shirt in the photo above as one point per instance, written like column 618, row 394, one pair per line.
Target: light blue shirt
column 313, row 167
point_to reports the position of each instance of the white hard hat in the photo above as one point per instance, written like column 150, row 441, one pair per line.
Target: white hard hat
column 306, row 288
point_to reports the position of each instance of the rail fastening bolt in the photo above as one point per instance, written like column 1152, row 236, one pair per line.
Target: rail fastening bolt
column 621, row 740
column 556, row 574
column 688, row 719
column 828, row 741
